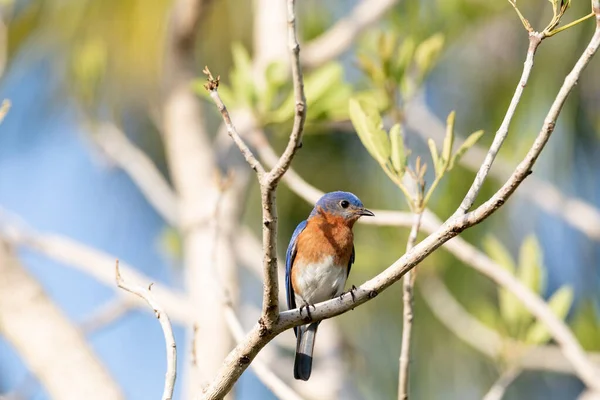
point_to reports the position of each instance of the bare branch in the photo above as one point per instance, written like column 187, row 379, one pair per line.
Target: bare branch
column 337, row 39
column 165, row 324
column 54, row 350
column 140, row 169
column 93, row 263
column 462, row 324
column 107, row 314
column 211, row 86
column 408, row 283
column 279, row 388
column 499, row 387
column 534, row 41
column 295, row 141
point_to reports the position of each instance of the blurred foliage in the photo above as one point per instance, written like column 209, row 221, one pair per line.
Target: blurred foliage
column 513, row 317
column 325, row 89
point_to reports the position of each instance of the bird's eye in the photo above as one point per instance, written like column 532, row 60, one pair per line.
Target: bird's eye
column 344, row 203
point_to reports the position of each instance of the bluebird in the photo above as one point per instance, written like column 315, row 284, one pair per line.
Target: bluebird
column 317, row 264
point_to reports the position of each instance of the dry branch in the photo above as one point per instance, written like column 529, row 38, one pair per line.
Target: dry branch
column 165, row 324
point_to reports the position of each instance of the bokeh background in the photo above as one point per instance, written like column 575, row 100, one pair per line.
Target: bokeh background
column 68, row 65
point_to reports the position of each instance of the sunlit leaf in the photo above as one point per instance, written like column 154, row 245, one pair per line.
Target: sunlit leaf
column 398, row 154
column 242, row 81
column 510, row 307
column 404, row 58
column 467, row 144
column 371, row 68
column 448, row 141
column 530, row 271
column 560, row 303
column 427, row 53
column 324, row 89
column 367, row 121
column 434, row 155
column 586, row 326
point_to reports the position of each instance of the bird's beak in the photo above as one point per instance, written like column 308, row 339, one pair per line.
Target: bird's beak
column 366, row 212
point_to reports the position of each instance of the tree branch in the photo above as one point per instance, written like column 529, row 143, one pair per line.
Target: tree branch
column 165, row 324
column 53, row 349
column 534, row 41
column 140, row 169
column 93, row 262
column 499, row 387
column 408, row 313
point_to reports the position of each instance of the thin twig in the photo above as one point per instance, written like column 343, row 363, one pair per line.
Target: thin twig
column 534, row 41
column 212, row 86
column 163, row 318
column 408, row 283
column 499, row 387
column 239, row 358
column 575, row 212
column 107, row 314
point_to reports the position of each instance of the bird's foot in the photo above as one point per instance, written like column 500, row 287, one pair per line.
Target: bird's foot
column 307, row 308
column 351, row 292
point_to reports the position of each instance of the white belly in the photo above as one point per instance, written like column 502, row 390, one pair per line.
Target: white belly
column 319, row 281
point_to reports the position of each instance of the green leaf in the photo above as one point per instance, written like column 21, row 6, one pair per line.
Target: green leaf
column 448, row 142
column 317, row 85
column 586, row 325
column 500, row 254
column 434, row 156
column 398, row 154
column 560, row 303
column 371, row 68
column 428, row 52
column 242, row 81
column 367, row 121
column 531, row 272
column 509, row 304
column 467, row 144
column 405, row 56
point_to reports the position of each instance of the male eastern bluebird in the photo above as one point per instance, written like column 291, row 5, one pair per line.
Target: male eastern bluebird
column 317, row 264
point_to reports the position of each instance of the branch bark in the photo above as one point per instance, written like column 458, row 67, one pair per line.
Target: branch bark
column 408, row 283
column 48, row 343
column 534, row 41
column 165, row 324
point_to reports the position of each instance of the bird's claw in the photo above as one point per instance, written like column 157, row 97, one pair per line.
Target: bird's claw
column 307, row 308
column 351, row 292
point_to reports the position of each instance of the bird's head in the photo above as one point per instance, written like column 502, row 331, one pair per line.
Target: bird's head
column 341, row 204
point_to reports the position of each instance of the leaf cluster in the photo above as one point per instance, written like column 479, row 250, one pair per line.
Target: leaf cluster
column 529, row 269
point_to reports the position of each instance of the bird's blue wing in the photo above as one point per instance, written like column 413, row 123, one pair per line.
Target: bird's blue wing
column 289, row 260
column 352, row 257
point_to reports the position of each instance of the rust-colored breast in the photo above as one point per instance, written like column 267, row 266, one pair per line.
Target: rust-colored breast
column 325, row 236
